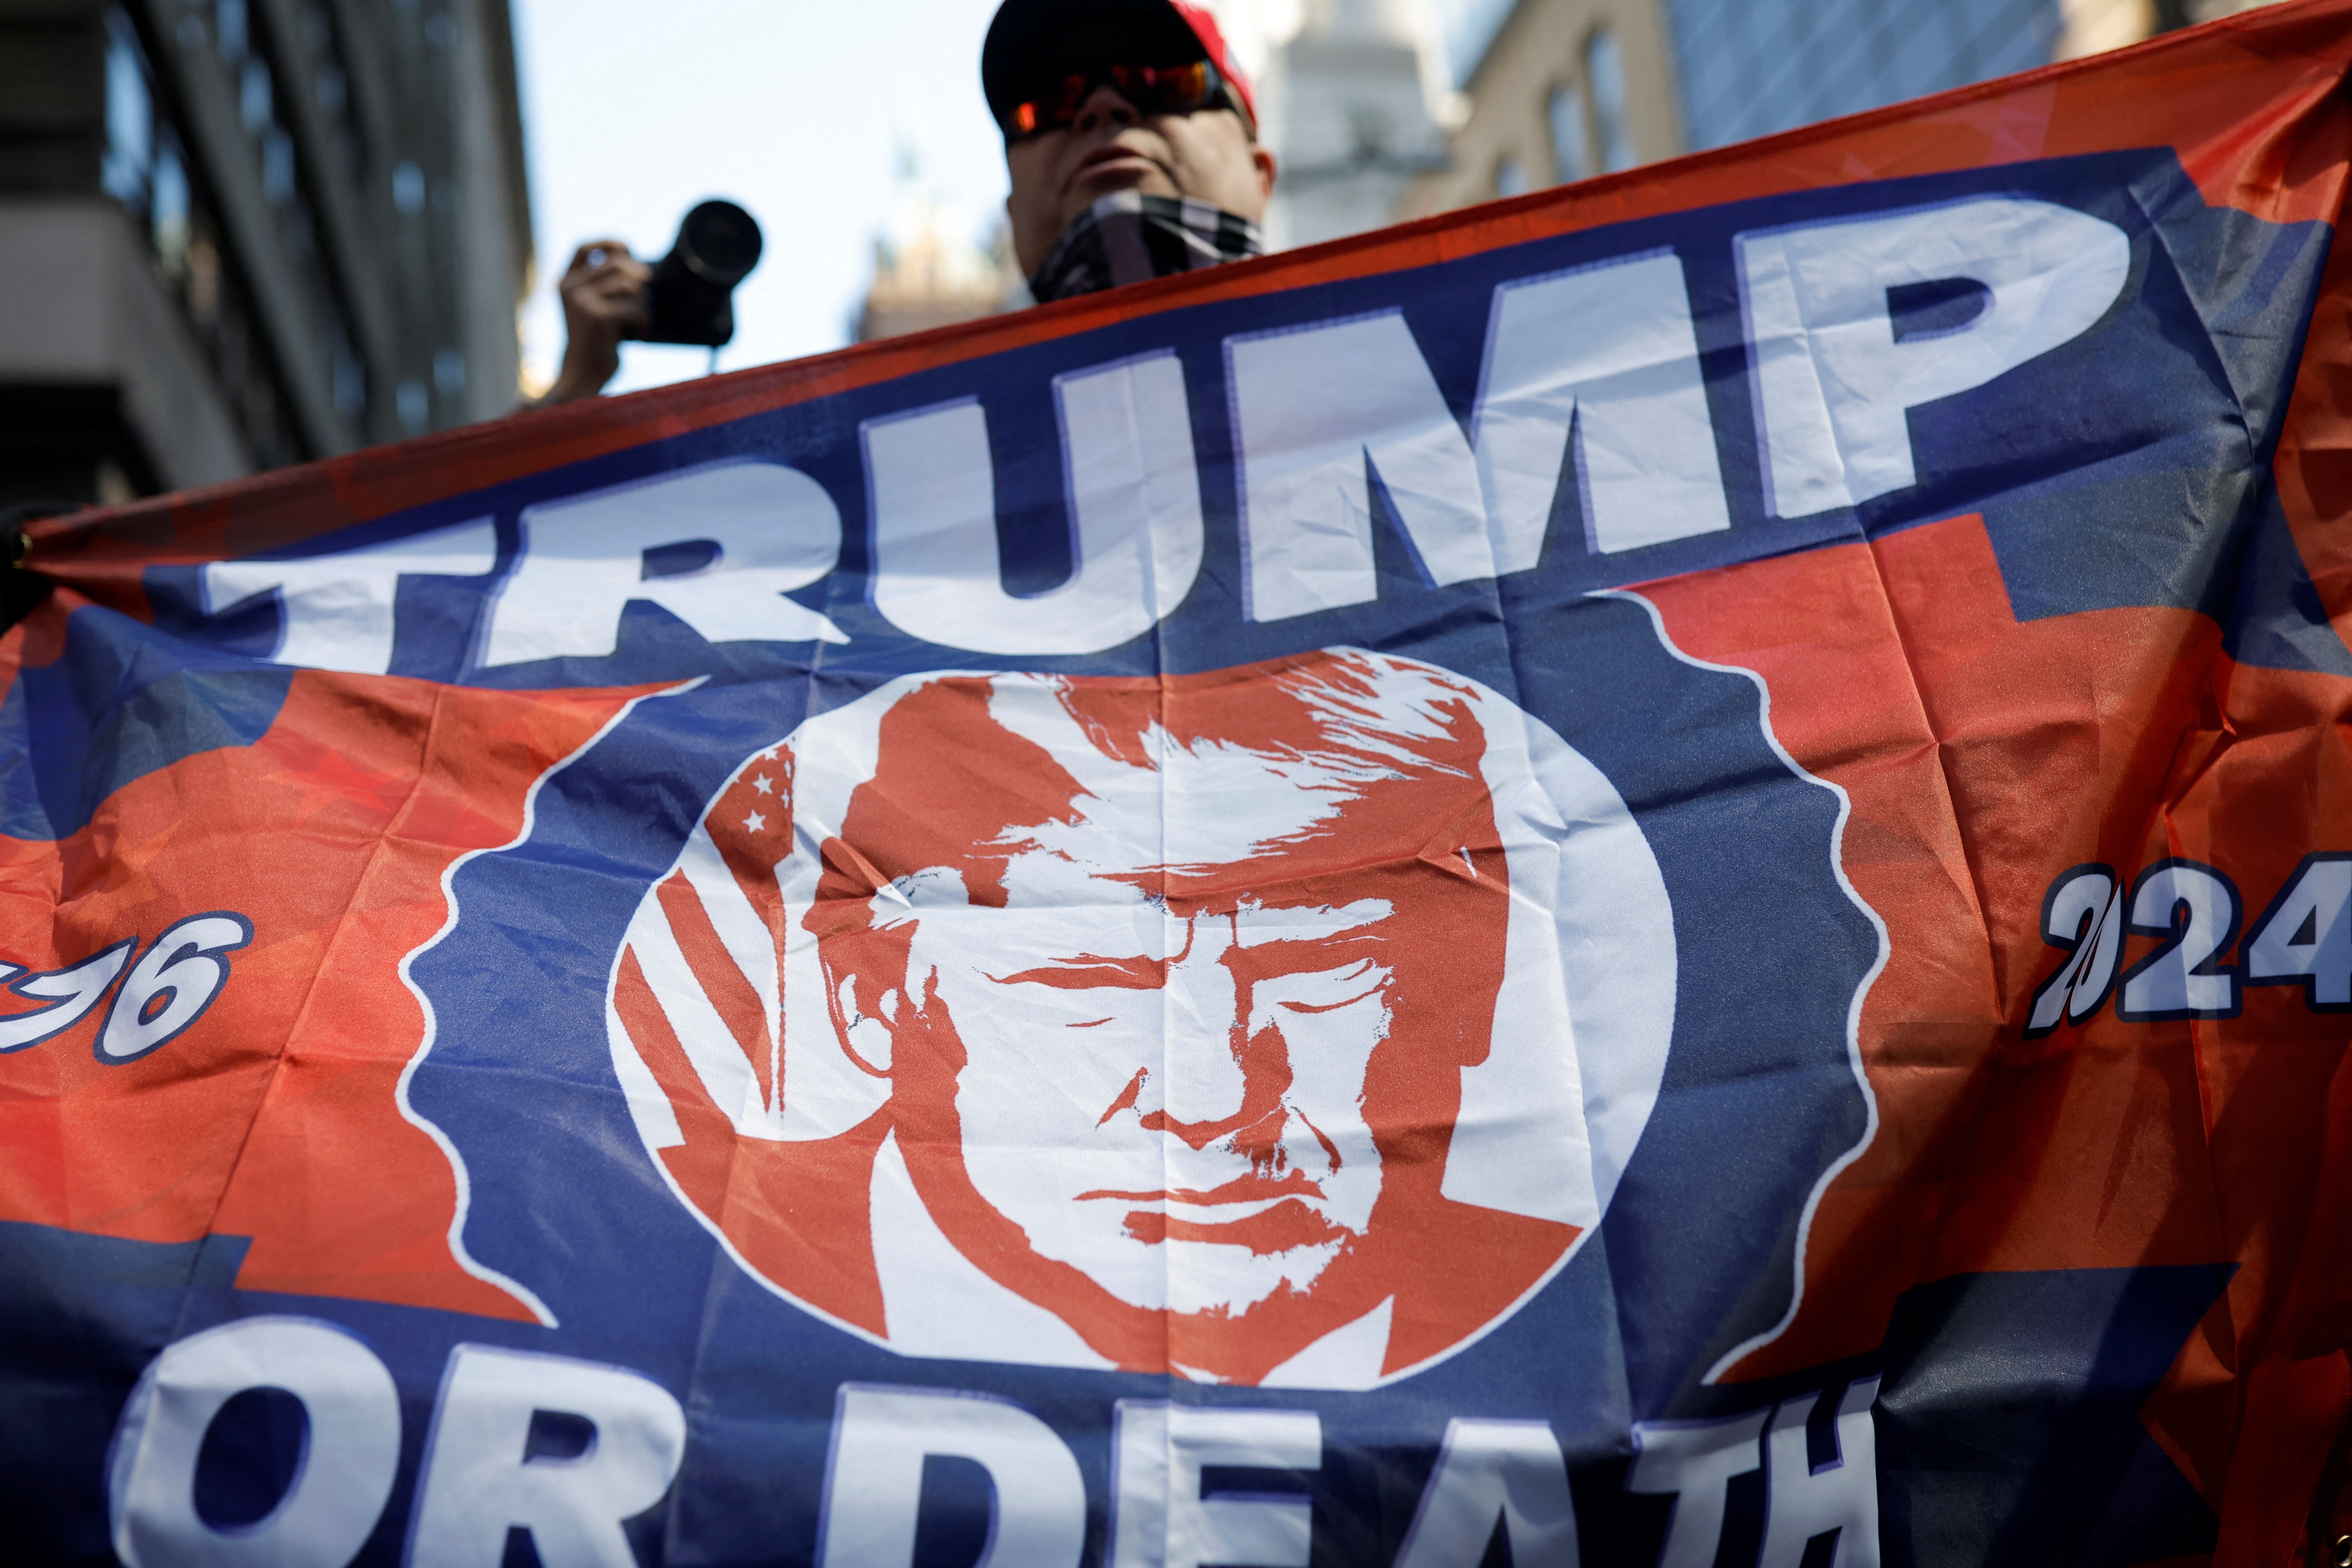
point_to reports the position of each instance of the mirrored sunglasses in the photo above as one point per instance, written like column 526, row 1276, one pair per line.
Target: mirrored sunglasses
column 1152, row 89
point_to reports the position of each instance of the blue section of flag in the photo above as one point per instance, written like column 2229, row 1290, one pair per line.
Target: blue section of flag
column 2008, row 1424
column 2120, row 469
column 124, row 701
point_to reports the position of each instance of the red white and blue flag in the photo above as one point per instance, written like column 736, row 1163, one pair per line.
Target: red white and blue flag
column 1656, row 875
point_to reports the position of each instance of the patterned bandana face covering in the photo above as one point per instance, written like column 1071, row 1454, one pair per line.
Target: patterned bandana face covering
column 1130, row 238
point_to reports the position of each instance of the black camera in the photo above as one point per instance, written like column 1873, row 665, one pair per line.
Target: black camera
column 691, row 298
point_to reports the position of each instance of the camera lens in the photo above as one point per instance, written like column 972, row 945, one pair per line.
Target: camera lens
column 719, row 243
column 689, row 300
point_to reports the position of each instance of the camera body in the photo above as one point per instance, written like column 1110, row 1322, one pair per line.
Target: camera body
column 691, row 298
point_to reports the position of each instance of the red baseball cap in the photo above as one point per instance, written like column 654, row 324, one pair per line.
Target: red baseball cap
column 1032, row 40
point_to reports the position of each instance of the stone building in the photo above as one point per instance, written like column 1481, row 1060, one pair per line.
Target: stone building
column 1354, row 103
column 2090, row 25
column 1564, row 90
column 928, row 273
column 236, row 233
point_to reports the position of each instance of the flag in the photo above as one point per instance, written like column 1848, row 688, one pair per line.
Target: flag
column 1663, row 870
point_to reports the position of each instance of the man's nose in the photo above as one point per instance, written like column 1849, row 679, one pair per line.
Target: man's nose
column 1216, row 1080
column 1203, row 1084
column 1106, row 106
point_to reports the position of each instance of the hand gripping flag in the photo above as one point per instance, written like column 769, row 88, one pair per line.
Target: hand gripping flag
column 1656, row 875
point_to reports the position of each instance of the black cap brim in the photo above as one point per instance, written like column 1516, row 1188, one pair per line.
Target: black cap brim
column 1031, row 41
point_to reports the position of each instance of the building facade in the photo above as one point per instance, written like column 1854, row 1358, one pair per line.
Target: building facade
column 1750, row 68
column 1352, row 102
column 927, row 275
column 238, row 234
column 1565, row 90
column 1562, row 90
column 927, row 271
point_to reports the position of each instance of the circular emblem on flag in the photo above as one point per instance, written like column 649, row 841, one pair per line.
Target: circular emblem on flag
column 1288, row 1025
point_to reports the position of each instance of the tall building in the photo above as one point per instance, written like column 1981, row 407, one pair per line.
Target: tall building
column 2090, row 25
column 927, row 270
column 1560, row 89
column 236, row 234
column 1353, row 102
column 930, row 276
column 1564, row 90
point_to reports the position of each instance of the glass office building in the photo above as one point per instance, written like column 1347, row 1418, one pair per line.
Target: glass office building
column 1750, row 68
column 238, row 234
column 1566, row 90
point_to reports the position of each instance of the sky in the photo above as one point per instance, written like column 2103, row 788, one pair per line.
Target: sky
column 796, row 108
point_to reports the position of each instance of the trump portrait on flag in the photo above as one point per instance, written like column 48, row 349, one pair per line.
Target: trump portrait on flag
column 1245, row 1025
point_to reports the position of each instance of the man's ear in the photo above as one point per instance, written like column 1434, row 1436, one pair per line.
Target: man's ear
column 866, row 1039
column 865, row 1008
column 1263, row 158
column 1013, row 232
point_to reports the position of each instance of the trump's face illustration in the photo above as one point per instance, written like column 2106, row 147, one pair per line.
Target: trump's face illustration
column 1200, row 1024
column 1174, row 987
column 1167, row 1093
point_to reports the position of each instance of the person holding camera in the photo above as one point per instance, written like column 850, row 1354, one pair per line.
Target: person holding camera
column 604, row 295
column 1130, row 138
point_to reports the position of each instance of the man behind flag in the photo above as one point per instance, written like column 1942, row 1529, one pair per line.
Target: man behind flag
column 1131, row 135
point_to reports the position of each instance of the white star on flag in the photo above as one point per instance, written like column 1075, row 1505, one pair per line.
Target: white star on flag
column 754, row 822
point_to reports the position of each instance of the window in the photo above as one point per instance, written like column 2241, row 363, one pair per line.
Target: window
column 129, row 117
column 230, row 30
column 170, row 206
column 1572, row 149
column 330, row 86
column 261, row 107
column 257, row 98
column 146, row 168
column 1604, row 68
column 277, row 168
column 1510, row 178
column 407, row 188
column 415, row 408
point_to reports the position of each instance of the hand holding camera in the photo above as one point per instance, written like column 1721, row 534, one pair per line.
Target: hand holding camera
column 604, row 293
column 688, row 297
